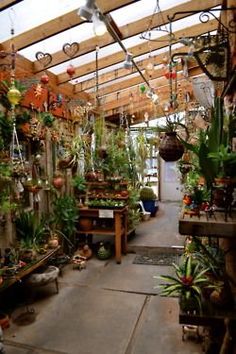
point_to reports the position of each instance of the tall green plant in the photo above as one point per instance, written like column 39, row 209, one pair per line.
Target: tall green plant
column 65, row 216
column 209, row 142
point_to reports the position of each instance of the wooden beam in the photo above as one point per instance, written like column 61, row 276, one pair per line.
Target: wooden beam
column 59, row 24
column 5, row 4
column 131, row 29
column 138, row 50
column 111, row 76
column 125, row 98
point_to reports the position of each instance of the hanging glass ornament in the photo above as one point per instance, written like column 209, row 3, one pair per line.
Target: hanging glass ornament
column 13, row 95
column 70, row 70
column 142, row 88
column 44, row 79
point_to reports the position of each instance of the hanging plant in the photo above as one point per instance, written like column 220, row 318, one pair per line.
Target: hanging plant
column 47, row 119
column 171, row 148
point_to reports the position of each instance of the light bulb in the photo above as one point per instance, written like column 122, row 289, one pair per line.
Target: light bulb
column 99, row 26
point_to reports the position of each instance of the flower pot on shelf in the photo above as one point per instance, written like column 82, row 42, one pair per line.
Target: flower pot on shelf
column 85, row 224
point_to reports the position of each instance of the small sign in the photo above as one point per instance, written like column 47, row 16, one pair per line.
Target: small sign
column 106, row 213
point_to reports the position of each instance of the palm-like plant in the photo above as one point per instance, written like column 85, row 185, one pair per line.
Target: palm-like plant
column 29, row 229
column 188, row 282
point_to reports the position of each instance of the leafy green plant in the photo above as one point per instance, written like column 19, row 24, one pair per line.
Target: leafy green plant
column 47, row 119
column 187, row 283
column 30, row 230
column 64, row 217
column 226, row 160
column 6, row 128
column 79, row 183
column 147, row 193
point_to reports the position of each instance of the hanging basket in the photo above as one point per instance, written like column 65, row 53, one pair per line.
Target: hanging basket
column 171, row 149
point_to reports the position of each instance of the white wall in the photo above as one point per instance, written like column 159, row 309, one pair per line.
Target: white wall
column 170, row 187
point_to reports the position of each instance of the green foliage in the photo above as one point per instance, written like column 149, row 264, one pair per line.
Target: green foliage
column 226, row 160
column 6, row 128
column 147, row 193
column 189, row 280
column 65, row 215
column 47, row 119
column 30, row 230
column 79, row 183
column 209, row 142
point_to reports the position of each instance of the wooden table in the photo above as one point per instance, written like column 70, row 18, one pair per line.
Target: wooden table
column 119, row 228
column 214, row 226
column 29, row 268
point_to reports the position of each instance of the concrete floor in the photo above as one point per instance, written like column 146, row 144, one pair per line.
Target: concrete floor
column 108, row 308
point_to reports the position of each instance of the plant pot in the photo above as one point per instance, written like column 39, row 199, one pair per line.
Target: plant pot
column 188, row 305
column 85, row 224
column 53, row 242
column 4, row 320
column 58, row 182
column 65, row 163
column 171, row 149
column 151, row 206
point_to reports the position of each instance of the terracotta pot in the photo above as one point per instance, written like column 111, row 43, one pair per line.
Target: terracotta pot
column 171, row 149
column 85, row 224
column 4, row 320
column 58, row 182
column 53, row 242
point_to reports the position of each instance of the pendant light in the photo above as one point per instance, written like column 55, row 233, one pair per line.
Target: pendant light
column 99, row 27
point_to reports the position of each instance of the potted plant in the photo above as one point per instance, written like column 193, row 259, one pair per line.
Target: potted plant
column 149, row 199
column 64, row 218
column 30, row 232
column 171, row 148
column 187, row 283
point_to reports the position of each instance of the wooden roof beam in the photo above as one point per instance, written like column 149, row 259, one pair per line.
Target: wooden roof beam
column 59, row 24
column 138, row 50
column 129, row 30
column 121, row 73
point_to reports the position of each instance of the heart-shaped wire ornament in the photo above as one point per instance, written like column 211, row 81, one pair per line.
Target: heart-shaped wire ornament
column 71, row 49
column 43, row 58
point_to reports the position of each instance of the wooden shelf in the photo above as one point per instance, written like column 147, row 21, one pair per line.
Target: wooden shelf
column 99, row 231
column 210, row 316
column 216, row 226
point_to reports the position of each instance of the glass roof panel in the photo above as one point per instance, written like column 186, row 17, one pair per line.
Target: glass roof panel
column 55, row 43
column 140, row 9
column 34, row 13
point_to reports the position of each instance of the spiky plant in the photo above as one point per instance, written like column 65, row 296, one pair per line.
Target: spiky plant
column 187, row 283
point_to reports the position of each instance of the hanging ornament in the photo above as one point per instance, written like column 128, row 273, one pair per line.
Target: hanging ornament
column 13, row 95
column 44, row 79
column 165, row 60
column 142, row 88
column 149, row 67
column 70, row 70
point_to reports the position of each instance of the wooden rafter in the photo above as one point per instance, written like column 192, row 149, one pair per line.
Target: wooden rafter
column 129, row 30
column 139, row 50
column 58, row 25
